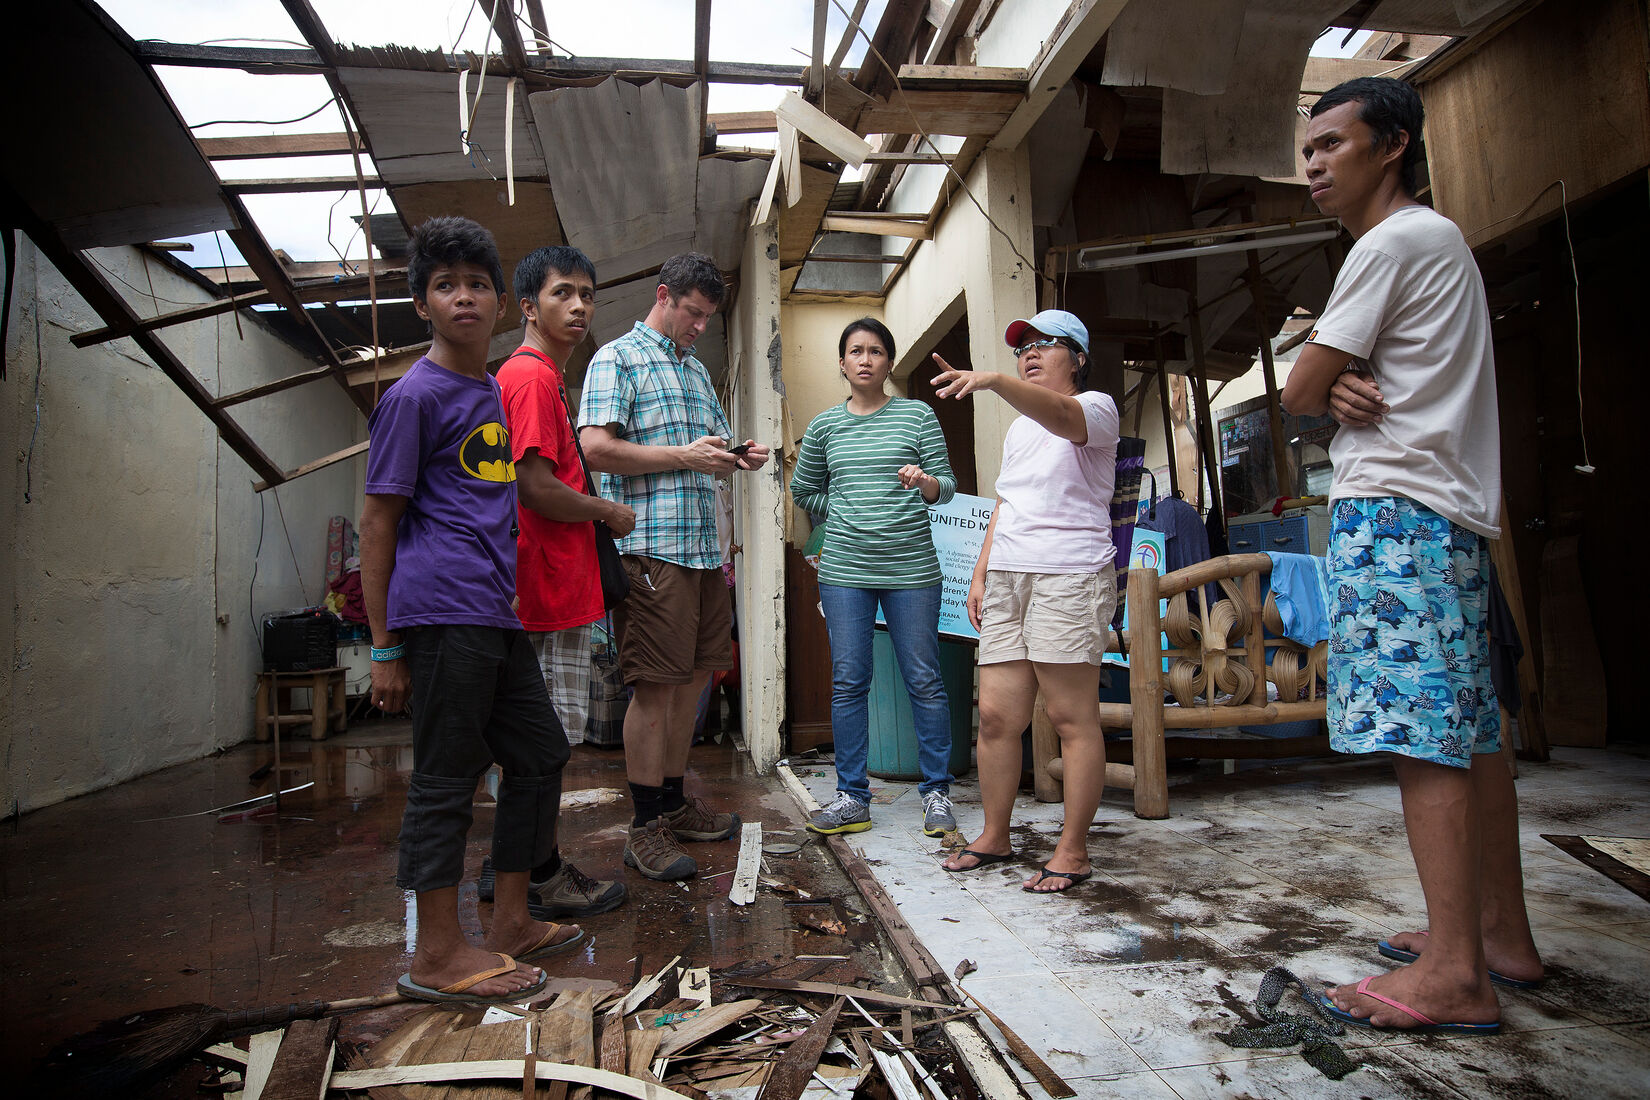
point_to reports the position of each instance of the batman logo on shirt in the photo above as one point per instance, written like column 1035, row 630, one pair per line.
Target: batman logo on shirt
column 485, row 454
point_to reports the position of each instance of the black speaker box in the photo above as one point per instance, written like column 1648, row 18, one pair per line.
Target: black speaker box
column 300, row 641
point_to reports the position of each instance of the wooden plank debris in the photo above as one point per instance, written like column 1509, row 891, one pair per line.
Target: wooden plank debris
column 796, row 1067
column 696, row 985
column 615, row 1051
column 304, row 1062
column 1052, row 1082
column 707, row 1022
column 647, row 987
column 895, row 1073
column 502, row 1069
column 820, row 127
column 260, row 1060
column 868, row 996
column 743, row 891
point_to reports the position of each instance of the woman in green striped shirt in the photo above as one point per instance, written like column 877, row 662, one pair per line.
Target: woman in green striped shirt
column 871, row 465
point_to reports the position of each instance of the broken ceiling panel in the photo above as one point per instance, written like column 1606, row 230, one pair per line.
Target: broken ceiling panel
column 1250, row 129
column 413, row 122
column 1187, row 45
column 726, row 188
column 1057, row 146
column 96, row 149
column 1454, row 17
column 627, row 189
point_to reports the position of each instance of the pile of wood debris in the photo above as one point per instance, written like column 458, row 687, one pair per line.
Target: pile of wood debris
column 745, row 1032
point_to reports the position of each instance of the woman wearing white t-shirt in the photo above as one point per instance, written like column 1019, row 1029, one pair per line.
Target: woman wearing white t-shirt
column 1044, row 589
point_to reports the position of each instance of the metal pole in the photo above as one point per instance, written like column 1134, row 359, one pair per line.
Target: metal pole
column 1168, row 417
column 1280, row 445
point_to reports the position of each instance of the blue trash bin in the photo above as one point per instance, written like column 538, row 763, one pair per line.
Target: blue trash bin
column 893, row 741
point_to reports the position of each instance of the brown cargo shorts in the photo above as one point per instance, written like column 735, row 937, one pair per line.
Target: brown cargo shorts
column 676, row 621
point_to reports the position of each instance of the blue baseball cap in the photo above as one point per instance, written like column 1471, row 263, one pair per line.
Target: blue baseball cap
column 1050, row 322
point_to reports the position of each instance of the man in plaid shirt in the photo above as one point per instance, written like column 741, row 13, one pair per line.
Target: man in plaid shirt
column 649, row 420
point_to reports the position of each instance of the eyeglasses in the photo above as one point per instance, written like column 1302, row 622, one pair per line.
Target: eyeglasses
column 1045, row 342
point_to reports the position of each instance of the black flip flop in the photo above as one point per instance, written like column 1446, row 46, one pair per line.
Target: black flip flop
column 986, row 859
column 1076, row 878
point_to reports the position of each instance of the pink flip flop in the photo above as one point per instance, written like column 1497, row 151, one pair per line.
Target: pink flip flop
column 1427, row 1026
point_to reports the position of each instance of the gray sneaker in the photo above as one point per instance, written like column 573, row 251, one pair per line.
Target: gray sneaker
column 937, row 816
column 845, row 814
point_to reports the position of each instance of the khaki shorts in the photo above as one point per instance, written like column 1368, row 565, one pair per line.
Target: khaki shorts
column 1052, row 618
column 675, row 622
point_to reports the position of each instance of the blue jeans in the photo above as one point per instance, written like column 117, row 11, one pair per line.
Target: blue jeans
column 913, row 616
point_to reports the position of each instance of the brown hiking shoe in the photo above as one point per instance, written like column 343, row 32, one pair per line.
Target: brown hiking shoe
column 693, row 820
column 572, row 893
column 654, row 851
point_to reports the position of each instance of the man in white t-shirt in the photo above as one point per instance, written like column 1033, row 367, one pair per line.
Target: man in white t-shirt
column 1402, row 357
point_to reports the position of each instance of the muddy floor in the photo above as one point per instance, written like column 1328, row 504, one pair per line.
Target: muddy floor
column 132, row 898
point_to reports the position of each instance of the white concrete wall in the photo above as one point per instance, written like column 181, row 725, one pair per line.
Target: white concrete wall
column 970, row 268
column 128, row 588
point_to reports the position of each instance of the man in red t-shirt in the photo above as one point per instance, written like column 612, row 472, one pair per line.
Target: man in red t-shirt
column 558, row 586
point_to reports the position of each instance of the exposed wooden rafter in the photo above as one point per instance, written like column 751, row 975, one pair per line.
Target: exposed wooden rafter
column 503, row 16
column 108, row 304
column 294, row 185
column 259, row 146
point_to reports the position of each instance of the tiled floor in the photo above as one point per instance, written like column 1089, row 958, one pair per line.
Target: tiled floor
column 1122, row 985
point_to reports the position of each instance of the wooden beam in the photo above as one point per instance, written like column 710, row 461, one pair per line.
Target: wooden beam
column 909, row 158
column 849, row 34
column 183, row 316
column 956, row 21
column 295, row 186
column 319, row 464
column 541, row 25
column 838, row 223
column 107, row 303
column 261, row 258
column 850, row 258
column 815, row 86
column 1205, row 417
column 744, row 122
column 1074, row 38
column 264, row 61
column 314, row 32
column 259, row 146
column 503, row 17
column 965, row 114
column 1323, row 73
column 264, row 389
column 963, row 78
column 701, row 40
column 821, row 128
column 892, row 39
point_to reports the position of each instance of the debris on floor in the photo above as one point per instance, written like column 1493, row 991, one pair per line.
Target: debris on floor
column 765, row 1031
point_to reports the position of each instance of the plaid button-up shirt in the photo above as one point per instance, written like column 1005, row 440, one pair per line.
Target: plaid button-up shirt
column 656, row 399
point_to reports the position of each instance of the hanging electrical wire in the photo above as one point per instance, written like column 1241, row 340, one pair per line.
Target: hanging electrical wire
column 262, row 121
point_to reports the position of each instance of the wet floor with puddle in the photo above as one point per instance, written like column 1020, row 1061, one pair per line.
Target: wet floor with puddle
column 131, row 899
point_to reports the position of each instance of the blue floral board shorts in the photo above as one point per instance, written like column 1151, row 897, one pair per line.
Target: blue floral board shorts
column 1409, row 655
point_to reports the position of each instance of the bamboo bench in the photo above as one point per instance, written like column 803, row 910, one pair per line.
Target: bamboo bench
column 1217, row 675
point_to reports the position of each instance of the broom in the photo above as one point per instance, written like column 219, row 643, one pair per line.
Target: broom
column 121, row 1056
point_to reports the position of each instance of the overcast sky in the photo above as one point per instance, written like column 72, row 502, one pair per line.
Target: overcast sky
column 318, row 226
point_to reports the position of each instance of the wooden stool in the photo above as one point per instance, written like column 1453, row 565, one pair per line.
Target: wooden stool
column 326, row 703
